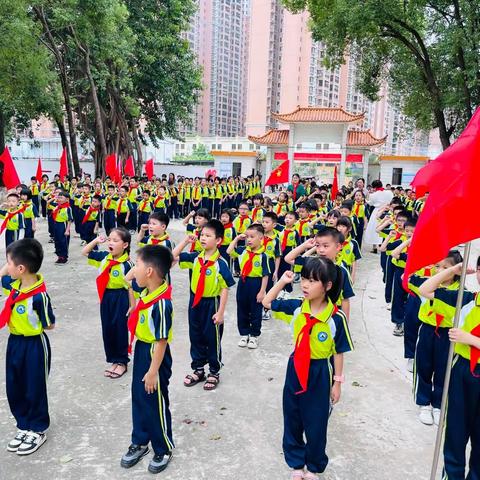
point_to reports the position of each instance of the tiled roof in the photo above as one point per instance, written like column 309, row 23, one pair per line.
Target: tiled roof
column 272, row 137
column 319, row 115
column 363, row 138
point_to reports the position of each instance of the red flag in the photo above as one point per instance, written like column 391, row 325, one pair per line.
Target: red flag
column 279, row 175
column 334, row 183
column 129, row 167
column 452, row 184
column 10, row 175
column 63, row 165
column 111, row 167
column 149, row 168
column 39, row 173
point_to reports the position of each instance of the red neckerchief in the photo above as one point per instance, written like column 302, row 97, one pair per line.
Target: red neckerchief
column 242, row 219
column 87, row 214
column 57, row 209
column 109, row 201
column 286, row 232
column 6, row 312
column 204, row 266
column 84, row 199
column 157, row 200
column 197, row 234
column 474, row 352
column 143, row 205
column 156, row 241
column 300, row 228
column 254, row 213
column 279, row 210
column 266, row 241
column 302, row 353
column 119, row 205
column 379, row 189
column 141, row 305
column 356, row 209
column 9, row 216
column 438, row 321
column 104, row 277
column 225, row 228
column 248, row 266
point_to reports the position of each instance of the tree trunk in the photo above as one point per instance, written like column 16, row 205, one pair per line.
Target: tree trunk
column 64, row 138
column 3, row 127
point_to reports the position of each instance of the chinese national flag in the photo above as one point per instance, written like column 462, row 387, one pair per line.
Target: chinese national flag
column 452, row 180
column 279, row 175
column 149, row 168
column 334, row 183
column 111, row 167
column 39, row 173
column 129, row 167
column 10, row 175
column 63, row 172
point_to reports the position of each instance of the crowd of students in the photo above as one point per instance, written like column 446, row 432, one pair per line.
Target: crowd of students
column 268, row 243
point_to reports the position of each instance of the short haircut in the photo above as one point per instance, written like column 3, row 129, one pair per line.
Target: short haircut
column 228, row 212
column 334, row 213
column 63, row 193
column 243, row 204
column 331, row 232
column 303, row 205
column 97, row 197
column 204, row 213
column 403, row 214
column 216, row 226
column 411, row 222
column 27, row 252
column 13, row 194
column 33, row 178
column 293, row 214
column 158, row 257
column 111, row 186
column 87, row 185
column 27, row 193
column 146, row 192
column 271, row 215
column 160, row 217
column 258, row 196
column 257, row 227
column 123, row 187
column 345, row 221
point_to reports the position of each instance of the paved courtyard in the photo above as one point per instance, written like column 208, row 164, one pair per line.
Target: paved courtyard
column 236, row 431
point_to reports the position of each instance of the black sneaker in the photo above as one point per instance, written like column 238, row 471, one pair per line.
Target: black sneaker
column 134, row 455
column 31, row 443
column 159, row 463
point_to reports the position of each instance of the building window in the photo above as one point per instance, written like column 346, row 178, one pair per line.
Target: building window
column 252, row 146
column 234, row 147
column 397, row 176
column 240, row 147
column 299, row 146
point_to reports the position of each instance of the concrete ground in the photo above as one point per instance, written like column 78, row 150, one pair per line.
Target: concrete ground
column 236, row 431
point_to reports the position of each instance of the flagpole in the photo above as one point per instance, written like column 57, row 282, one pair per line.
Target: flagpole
column 458, row 308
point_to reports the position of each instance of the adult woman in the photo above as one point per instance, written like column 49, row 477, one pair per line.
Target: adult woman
column 297, row 189
column 377, row 199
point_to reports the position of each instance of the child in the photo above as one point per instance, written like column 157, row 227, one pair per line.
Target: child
column 124, row 208
column 35, row 191
column 289, row 239
column 462, row 421
column 320, row 331
column 257, row 210
column 431, row 354
column 110, row 209
column 271, row 244
column 229, row 234
column 209, row 283
column 157, row 231
column 151, row 324
column 90, row 221
column 359, row 216
column 62, row 220
column 240, row 224
column 350, row 253
column 281, row 207
column 145, row 208
column 29, row 214
column 12, row 217
column 160, row 202
column 28, row 312
column 200, row 218
column 253, row 283
column 302, row 226
column 113, row 265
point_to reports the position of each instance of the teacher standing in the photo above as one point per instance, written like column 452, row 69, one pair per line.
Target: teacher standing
column 297, row 189
column 377, row 199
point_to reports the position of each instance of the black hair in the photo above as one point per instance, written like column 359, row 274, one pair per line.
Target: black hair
column 97, row 197
column 124, row 187
column 111, row 186
column 63, row 193
column 33, row 178
column 243, row 203
column 204, row 213
column 258, row 196
column 334, row 213
column 311, row 205
column 27, row 193
column 13, row 194
column 124, row 234
column 158, row 257
column 322, row 269
column 478, row 261
column 455, row 257
column 303, row 205
column 346, row 205
column 411, row 222
column 271, row 215
column 228, row 212
column 345, row 221
column 377, row 184
column 87, row 185
column 27, row 252
column 403, row 213
column 257, row 227
column 295, row 214
column 332, row 232
column 396, row 201
column 146, row 191
column 161, row 217
column 216, row 226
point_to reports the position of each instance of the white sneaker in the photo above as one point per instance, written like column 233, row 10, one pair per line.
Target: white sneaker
column 252, row 343
column 266, row 315
column 31, row 443
column 243, row 341
column 17, row 441
column 389, row 306
column 425, row 415
column 436, row 416
column 410, row 364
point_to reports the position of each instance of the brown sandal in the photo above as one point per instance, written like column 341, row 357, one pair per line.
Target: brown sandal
column 213, row 379
column 116, row 375
column 196, row 377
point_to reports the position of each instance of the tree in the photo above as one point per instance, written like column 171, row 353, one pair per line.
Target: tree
column 427, row 51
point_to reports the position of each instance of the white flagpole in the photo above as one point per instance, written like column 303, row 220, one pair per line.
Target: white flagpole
column 458, row 308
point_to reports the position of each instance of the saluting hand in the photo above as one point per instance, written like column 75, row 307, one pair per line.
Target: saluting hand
column 287, row 277
column 144, row 227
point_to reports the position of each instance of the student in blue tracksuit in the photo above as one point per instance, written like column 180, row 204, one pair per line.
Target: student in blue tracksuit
column 320, row 331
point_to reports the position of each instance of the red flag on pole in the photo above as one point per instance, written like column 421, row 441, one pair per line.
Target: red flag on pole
column 118, row 178
column 279, row 175
column 10, row 175
column 39, row 173
column 334, row 183
column 111, row 166
column 452, row 184
column 149, row 168
column 63, row 172
column 129, row 167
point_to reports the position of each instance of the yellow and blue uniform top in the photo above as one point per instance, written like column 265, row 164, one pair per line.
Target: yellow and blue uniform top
column 110, row 203
column 196, row 193
column 30, row 211
column 100, row 260
column 217, row 278
column 240, row 224
column 260, row 266
column 401, row 261
column 93, row 215
column 16, row 222
column 85, row 201
column 394, row 242
column 328, row 337
column 280, row 209
column 228, row 235
column 163, row 240
column 155, row 323
column 32, row 315
column 35, row 189
column 437, row 309
column 218, row 192
column 132, row 195
column 211, row 192
column 257, row 214
column 124, row 205
column 350, row 252
column 303, row 228
column 193, row 230
column 64, row 214
column 358, row 210
column 271, row 244
column 145, row 206
column 160, row 202
column 230, row 188
column 188, row 191
column 293, row 238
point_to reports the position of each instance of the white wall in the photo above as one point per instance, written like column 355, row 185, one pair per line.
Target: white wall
column 409, row 171
column 323, row 133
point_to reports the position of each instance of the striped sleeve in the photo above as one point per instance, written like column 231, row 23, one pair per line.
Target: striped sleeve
column 185, row 260
column 342, row 339
column 96, row 258
column 7, row 281
column 162, row 316
column 285, row 309
column 42, row 305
